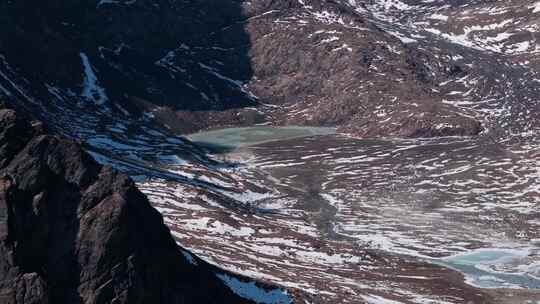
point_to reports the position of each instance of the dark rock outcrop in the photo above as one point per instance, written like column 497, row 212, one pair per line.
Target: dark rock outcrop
column 72, row 231
column 160, row 51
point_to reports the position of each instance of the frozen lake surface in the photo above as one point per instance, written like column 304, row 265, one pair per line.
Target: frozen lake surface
column 231, row 138
column 495, row 268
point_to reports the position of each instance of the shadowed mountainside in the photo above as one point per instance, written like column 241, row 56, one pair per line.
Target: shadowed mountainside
column 72, row 231
column 135, row 49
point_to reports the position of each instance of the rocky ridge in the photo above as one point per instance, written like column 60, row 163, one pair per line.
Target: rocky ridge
column 373, row 68
column 73, row 231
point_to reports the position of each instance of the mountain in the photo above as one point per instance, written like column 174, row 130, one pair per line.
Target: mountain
column 434, row 103
column 372, row 68
column 73, row 231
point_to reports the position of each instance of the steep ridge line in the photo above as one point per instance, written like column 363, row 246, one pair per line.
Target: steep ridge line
column 73, row 231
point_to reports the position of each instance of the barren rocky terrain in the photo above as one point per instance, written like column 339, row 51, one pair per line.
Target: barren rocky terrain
column 408, row 171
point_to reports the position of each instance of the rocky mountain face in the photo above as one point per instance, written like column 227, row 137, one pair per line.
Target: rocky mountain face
column 130, row 46
column 372, row 68
column 329, row 216
column 72, row 231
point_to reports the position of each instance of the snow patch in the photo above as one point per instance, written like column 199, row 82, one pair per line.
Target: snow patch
column 250, row 291
column 535, row 7
column 374, row 299
column 91, row 89
column 189, row 257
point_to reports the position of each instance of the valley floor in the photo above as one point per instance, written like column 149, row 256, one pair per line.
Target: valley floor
column 341, row 220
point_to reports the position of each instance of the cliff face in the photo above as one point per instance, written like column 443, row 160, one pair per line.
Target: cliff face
column 72, row 231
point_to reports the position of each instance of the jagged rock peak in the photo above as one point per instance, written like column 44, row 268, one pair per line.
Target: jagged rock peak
column 73, row 231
